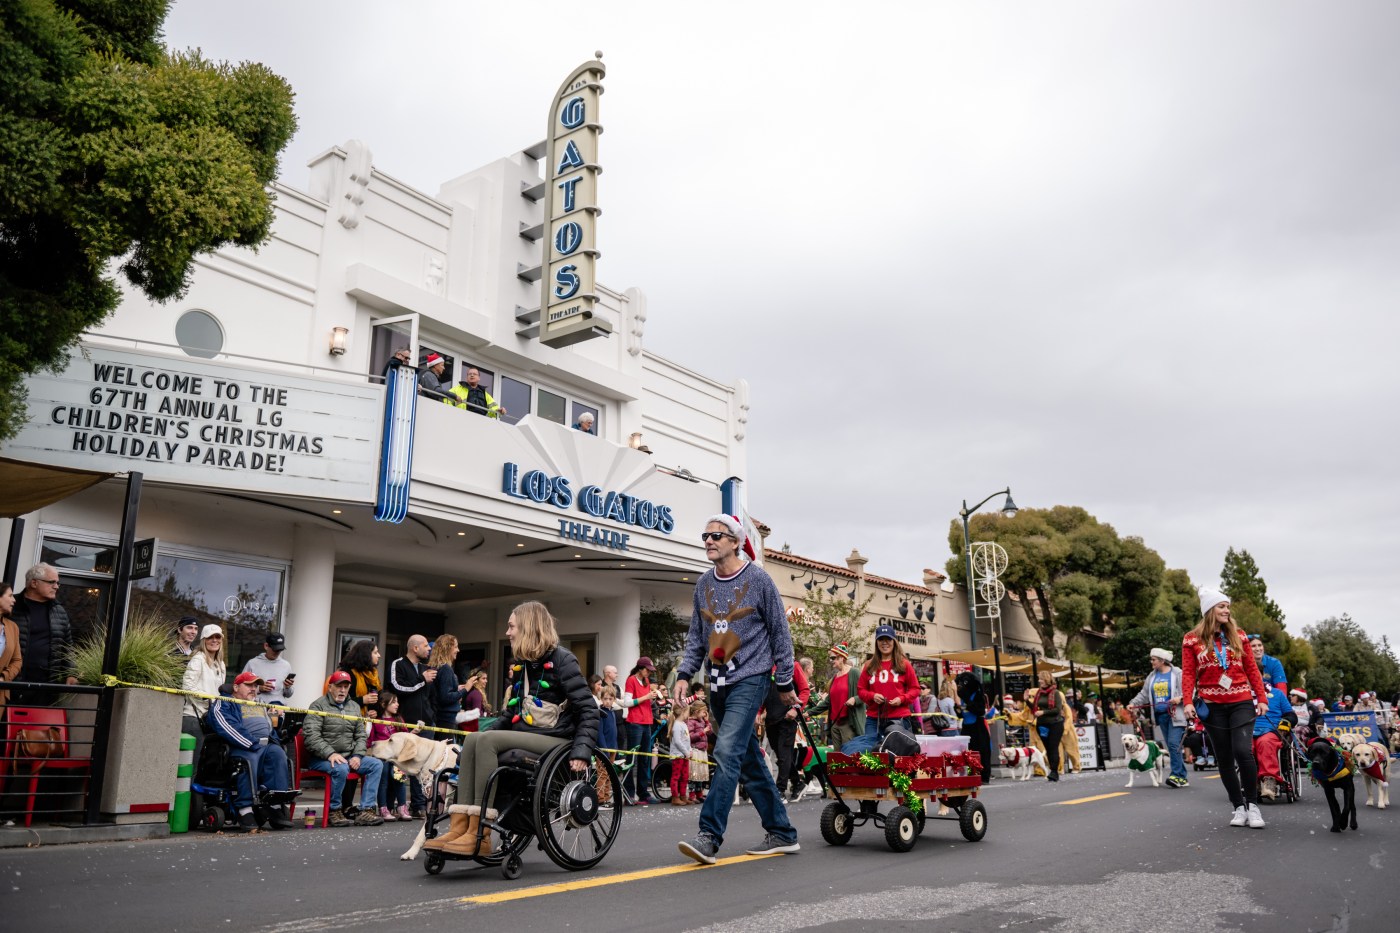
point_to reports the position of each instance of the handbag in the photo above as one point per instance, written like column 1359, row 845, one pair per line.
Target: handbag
column 538, row 713
column 40, row 743
column 1202, row 711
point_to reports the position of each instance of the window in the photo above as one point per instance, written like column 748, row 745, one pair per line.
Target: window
column 199, row 334
column 515, row 398
column 552, row 407
column 579, row 410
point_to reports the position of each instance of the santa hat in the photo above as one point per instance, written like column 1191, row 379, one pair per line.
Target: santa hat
column 735, row 528
column 1295, row 692
column 1210, row 599
column 433, row 359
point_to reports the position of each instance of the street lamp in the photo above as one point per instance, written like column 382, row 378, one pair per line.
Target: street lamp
column 1008, row 508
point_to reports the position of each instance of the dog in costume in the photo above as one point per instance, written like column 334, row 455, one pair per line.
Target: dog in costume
column 1145, row 758
column 1373, row 761
column 1333, row 770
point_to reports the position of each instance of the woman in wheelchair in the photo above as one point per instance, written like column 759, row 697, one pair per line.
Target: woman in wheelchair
column 1268, row 742
column 550, row 707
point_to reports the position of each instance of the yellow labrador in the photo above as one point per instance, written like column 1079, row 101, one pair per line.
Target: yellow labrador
column 419, row 759
column 1373, row 761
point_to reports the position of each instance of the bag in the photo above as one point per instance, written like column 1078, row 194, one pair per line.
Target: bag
column 1202, row 711
column 40, row 743
column 699, row 767
column 900, row 744
column 541, row 714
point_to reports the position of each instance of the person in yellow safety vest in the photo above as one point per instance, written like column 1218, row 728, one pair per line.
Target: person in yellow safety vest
column 471, row 396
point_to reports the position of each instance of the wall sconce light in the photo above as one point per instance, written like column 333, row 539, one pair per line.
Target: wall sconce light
column 635, row 442
column 338, row 336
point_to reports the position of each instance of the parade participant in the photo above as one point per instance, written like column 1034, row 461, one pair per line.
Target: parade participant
column 550, row 705
column 739, row 625
column 1299, row 700
column 1161, row 691
column 1216, row 663
column 1267, row 742
column 1051, row 709
column 1270, row 668
column 845, row 713
column 887, row 686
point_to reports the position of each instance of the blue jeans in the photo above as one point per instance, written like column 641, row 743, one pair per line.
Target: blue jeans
column 639, row 737
column 370, row 770
column 1173, row 735
column 737, row 756
column 269, row 765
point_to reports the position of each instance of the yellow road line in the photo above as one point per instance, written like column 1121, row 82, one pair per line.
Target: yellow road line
column 566, row 886
column 1212, row 777
column 1070, row 803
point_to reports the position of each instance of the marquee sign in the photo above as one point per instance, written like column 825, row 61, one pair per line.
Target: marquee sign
column 568, row 296
column 593, row 501
column 182, row 420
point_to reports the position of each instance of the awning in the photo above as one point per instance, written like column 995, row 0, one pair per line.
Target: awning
column 31, row 486
column 984, row 657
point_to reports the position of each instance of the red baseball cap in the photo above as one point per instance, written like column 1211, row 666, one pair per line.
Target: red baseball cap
column 339, row 677
column 247, row 677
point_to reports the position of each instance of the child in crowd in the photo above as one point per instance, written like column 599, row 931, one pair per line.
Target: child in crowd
column 680, row 756
column 699, row 724
column 607, row 723
column 391, row 790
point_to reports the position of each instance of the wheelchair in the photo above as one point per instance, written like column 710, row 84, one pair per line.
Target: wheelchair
column 1291, row 756
column 574, row 817
column 215, row 782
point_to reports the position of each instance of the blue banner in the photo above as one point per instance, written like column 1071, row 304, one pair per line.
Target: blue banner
column 1366, row 725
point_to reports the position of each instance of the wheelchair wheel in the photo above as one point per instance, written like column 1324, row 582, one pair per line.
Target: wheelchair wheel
column 661, row 781
column 511, row 869
column 434, row 863
column 212, row 819
column 576, row 827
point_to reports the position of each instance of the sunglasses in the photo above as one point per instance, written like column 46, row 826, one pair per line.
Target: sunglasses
column 715, row 535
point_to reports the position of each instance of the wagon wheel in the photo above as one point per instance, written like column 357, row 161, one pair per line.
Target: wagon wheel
column 972, row 820
column 901, row 829
column 837, row 824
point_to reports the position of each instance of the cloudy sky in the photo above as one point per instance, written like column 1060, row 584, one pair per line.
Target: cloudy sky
column 1140, row 258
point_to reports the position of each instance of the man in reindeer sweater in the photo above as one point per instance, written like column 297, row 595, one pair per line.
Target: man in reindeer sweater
column 740, row 627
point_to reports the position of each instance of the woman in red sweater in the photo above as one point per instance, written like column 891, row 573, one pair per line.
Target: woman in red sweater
column 1217, row 664
column 887, row 686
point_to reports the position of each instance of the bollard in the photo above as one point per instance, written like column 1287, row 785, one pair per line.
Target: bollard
column 184, row 772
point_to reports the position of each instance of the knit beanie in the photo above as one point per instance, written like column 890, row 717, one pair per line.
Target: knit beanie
column 1210, row 599
column 842, row 649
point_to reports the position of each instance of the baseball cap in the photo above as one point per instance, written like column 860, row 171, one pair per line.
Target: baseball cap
column 884, row 631
column 187, row 621
column 248, row 677
column 275, row 640
column 646, row 663
column 209, row 631
column 339, row 677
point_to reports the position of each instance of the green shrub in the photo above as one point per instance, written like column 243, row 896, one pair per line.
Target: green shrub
column 145, row 656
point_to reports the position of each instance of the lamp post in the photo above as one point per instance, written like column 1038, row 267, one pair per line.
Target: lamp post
column 1008, row 509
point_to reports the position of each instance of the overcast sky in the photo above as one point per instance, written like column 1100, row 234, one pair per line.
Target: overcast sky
column 1141, row 258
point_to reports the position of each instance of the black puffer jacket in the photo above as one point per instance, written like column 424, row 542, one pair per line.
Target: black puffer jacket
column 554, row 678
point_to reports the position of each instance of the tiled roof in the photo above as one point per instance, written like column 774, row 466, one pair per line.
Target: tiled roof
column 835, row 570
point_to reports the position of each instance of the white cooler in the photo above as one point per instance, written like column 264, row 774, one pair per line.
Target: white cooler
column 942, row 744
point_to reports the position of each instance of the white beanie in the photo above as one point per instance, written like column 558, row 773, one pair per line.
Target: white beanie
column 1161, row 654
column 1210, row 599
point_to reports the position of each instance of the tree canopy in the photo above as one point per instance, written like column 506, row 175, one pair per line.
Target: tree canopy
column 1073, row 572
column 1240, row 580
column 1351, row 659
column 825, row 621
column 113, row 148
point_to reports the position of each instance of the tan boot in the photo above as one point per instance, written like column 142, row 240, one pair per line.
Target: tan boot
column 486, row 847
column 457, row 814
column 465, row 844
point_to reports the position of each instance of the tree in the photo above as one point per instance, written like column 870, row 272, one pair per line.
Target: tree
column 113, row 148
column 823, row 621
column 1295, row 654
column 1129, row 649
column 661, row 631
column 1345, row 650
column 1240, row 580
column 1071, row 571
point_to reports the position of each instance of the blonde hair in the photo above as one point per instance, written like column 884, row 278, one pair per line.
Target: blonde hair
column 442, row 650
column 217, row 657
column 1211, row 623
column 536, row 635
column 1046, row 679
column 948, row 690
column 607, row 692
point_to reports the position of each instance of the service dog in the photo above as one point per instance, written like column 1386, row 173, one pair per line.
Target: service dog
column 1332, row 770
column 1146, row 757
column 419, row 759
column 1348, row 740
column 1023, row 761
column 1373, row 761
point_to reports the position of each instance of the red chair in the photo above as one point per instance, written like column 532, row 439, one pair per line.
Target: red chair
column 21, row 718
column 309, row 774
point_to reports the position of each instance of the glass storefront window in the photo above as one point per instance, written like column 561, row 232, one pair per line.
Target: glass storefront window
column 580, row 410
column 245, row 601
column 515, row 398
column 552, row 407
column 74, row 556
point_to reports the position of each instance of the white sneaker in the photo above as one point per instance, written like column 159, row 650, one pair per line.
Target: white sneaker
column 1256, row 819
column 1240, row 817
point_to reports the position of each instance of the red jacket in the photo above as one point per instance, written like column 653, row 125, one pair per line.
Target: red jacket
column 639, row 715
column 881, row 679
column 1200, row 670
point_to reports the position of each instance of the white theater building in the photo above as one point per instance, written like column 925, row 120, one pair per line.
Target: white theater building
column 255, row 409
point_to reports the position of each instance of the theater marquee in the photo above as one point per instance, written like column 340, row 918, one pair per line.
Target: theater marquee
column 568, row 298
column 203, row 423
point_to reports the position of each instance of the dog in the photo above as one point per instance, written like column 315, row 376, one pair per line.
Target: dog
column 1023, row 761
column 1146, row 757
column 419, row 759
column 1373, row 761
column 1349, row 740
column 1331, row 769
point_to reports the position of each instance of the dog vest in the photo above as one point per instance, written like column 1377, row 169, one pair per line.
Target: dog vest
column 1023, row 752
column 1376, row 770
column 1342, row 770
column 1153, row 752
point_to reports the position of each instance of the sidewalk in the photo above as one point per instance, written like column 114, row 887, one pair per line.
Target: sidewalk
column 22, row 837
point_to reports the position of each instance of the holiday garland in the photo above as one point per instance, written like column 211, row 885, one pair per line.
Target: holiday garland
column 901, row 781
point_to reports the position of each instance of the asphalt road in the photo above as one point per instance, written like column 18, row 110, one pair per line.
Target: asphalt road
column 1054, row 859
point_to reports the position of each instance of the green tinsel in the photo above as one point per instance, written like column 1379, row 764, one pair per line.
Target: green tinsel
column 901, row 781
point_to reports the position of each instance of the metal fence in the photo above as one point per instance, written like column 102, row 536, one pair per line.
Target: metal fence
column 49, row 754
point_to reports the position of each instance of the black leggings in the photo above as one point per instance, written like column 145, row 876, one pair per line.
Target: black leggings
column 1055, row 735
column 1231, row 730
